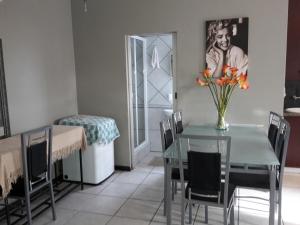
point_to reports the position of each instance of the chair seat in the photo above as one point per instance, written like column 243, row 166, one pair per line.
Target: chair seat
column 231, row 189
column 18, row 187
column 250, row 167
column 251, row 180
column 176, row 174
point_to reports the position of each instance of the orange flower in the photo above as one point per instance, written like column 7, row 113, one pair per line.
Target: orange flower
column 222, row 81
column 234, row 71
column 243, row 81
column 233, row 81
column 201, row 82
column 207, row 73
column 226, row 69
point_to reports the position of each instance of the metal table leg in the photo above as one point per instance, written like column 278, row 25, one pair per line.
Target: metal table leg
column 168, row 191
column 165, row 187
column 81, row 175
column 182, row 202
column 272, row 194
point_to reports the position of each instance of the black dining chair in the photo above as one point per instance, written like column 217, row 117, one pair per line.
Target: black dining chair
column 262, row 181
column 167, row 139
column 177, row 123
column 36, row 147
column 177, row 126
column 208, row 170
column 274, row 124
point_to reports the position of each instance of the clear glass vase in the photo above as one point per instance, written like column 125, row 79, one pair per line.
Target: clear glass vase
column 221, row 123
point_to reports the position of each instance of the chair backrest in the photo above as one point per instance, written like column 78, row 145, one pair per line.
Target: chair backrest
column 37, row 155
column 274, row 124
column 166, row 134
column 206, row 163
column 282, row 145
column 177, row 123
column 204, row 171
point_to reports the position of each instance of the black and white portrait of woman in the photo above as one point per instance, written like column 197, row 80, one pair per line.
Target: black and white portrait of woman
column 227, row 44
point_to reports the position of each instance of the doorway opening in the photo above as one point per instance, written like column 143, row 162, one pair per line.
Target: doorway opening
column 151, row 79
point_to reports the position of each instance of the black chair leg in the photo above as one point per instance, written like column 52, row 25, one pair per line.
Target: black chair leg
column 206, row 214
column 173, row 189
column 7, row 211
column 238, row 217
column 279, row 206
column 232, row 215
column 190, row 212
column 52, row 200
column 28, row 209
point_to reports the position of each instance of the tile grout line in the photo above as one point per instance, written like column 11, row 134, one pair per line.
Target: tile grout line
column 128, row 198
column 196, row 214
column 147, row 175
column 78, row 211
column 156, row 212
column 116, row 212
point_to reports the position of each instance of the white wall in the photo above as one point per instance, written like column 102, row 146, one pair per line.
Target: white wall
column 39, row 61
column 100, row 56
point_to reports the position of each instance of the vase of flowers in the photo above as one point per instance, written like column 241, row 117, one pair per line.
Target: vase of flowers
column 221, row 89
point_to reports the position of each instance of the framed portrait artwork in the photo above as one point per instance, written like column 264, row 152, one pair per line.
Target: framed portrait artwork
column 227, row 44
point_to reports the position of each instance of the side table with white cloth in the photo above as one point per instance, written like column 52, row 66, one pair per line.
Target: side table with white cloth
column 98, row 161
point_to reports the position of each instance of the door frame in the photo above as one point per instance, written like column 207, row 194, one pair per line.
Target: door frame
column 3, row 98
column 135, row 150
column 174, row 70
column 129, row 85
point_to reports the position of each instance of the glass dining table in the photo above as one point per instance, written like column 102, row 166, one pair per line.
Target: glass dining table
column 250, row 149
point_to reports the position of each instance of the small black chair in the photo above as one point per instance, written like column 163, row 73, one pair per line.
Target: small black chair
column 36, row 147
column 262, row 181
column 177, row 123
column 274, row 124
column 208, row 170
column 167, row 139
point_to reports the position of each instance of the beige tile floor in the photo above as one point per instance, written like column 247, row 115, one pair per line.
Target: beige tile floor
column 135, row 198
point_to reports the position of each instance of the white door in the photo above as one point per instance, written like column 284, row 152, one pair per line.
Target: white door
column 138, row 94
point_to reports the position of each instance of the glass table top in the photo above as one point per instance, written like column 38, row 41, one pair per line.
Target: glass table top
column 249, row 144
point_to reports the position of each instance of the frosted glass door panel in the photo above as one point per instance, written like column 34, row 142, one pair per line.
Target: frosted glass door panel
column 138, row 90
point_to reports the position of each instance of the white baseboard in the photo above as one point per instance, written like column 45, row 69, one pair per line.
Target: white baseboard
column 291, row 170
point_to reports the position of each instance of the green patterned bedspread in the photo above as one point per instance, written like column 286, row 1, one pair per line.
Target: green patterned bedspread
column 98, row 129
